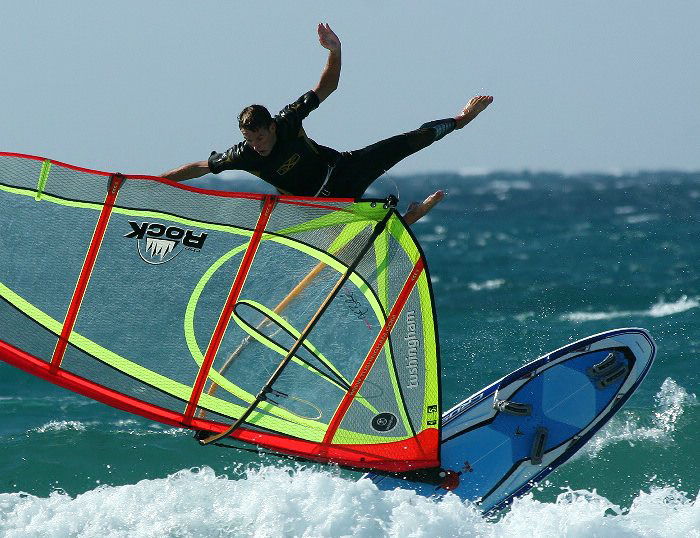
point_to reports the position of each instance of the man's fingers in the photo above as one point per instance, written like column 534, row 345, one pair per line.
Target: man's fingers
column 327, row 37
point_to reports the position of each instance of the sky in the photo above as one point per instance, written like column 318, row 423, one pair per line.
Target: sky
column 145, row 86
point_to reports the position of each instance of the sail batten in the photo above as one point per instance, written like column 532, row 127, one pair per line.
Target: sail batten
column 80, row 287
column 231, row 301
column 188, row 299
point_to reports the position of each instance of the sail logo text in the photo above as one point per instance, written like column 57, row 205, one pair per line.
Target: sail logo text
column 163, row 243
column 413, row 344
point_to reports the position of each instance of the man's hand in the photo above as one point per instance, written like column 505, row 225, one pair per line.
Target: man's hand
column 327, row 37
column 187, row 171
column 331, row 73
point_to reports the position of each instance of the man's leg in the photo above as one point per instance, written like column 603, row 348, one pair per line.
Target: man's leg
column 356, row 170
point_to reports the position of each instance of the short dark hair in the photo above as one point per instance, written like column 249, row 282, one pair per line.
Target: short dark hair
column 254, row 117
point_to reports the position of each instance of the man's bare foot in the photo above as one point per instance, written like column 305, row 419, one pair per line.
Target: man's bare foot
column 474, row 107
column 417, row 210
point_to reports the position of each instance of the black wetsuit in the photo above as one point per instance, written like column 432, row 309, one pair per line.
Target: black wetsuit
column 297, row 165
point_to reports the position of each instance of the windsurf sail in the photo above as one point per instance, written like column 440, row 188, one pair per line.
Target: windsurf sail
column 309, row 324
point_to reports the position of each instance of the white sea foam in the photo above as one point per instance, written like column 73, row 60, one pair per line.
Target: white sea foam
column 277, row 502
column 659, row 309
column 487, row 285
column 638, row 219
column 61, row 425
column 501, row 187
column 138, row 430
column 129, row 426
column 595, row 316
column 439, row 232
column 671, row 402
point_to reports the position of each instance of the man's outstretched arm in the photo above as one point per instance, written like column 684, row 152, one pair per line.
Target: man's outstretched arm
column 187, row 171
column 331, row 73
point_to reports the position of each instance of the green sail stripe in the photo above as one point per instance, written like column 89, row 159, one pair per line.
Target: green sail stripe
column 165, row 384
column 359, row 211
column 183, row 392
column 217, row 378
column 282, row 351
column 381, row 254
column 193, row 345
column 130, row 212
column 429, row 349
column 168, row 385
column 338, row 266
column 43, row 176
column 270, row 344
column 359, row 215
column 314, row 253
column 381, row 248
column 30, row 310
column 398, row 230
column 68, row 203
column 349, row 232
column 289, row 328
column 394, row 225
column 190, row 338
column 402, row 235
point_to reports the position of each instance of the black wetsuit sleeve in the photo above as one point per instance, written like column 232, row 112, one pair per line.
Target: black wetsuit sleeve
column 232, row 159
column 290, row 118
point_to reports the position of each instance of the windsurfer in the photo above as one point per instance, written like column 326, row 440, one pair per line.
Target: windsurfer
column 278, row 151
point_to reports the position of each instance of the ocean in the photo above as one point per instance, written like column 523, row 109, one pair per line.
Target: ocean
column 521, row 264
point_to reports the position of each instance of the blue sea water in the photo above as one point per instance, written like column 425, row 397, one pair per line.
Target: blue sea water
column 521, row 264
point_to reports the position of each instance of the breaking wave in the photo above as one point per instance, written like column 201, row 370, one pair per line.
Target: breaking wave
column 658, row 310
column 281, row 502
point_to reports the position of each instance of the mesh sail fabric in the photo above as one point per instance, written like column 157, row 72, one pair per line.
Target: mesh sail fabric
column 178, row 304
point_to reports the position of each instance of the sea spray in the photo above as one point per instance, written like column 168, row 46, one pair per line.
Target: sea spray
column 671, row 401
column 304, row 502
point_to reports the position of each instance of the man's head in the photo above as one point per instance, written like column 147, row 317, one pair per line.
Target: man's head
column 258, row 128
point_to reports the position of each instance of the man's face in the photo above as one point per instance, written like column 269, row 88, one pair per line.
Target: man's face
column 261, row 140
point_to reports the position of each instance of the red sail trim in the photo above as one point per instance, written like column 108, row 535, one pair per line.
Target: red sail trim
column 88, row 265
column 231, row 301
column 374, row 352
column 292, row 200
column 32, row 365
column 55, row 163
column 396, row 456
column 380, row 457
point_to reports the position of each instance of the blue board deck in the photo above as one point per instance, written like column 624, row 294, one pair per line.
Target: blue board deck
column 509, row 435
